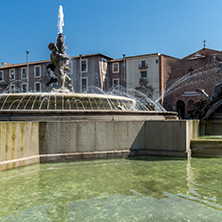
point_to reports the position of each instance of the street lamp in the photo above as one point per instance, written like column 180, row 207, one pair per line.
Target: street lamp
column 124, row 71
column 80, row 72
column 27, row 70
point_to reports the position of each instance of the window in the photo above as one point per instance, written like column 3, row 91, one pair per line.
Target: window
column 37, row 86
column 37, row 71
column 115, row 67
column 157, row 61
column 115, row 82
column 143, row 64
column 1, row 76
column 23, row 73
column 144, row 74
column 12, row 74
column 84, row 67
column 24, row 87
column 84, row 84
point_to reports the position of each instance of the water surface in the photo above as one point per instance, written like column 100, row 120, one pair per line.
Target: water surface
column 142, row 189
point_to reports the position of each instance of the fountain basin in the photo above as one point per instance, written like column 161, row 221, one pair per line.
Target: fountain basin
column 64, row 101
column 93, row 190
column 73, row 106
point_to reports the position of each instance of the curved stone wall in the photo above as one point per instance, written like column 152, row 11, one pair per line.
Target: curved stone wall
column 23, row 143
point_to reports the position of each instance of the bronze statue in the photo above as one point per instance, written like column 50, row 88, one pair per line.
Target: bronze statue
column 60, row 65
column 203, row 109
column 60, row 43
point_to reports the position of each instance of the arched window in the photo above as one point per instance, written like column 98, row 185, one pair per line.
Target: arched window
column 180, row 108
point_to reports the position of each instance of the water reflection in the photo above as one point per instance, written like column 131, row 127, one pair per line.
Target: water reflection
column 114, row 190
column 203, row 181
column 190, row 176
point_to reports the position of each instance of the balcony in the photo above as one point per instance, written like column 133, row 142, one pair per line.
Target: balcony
column 143, row 66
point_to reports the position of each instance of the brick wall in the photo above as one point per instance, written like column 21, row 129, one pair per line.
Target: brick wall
column 182, row 77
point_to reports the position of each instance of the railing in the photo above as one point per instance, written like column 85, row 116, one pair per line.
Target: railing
column 143, row 66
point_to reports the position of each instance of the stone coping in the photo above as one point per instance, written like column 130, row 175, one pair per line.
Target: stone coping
column 83, row 156
column 61, row 157
column 14, row 163
column 53, row 115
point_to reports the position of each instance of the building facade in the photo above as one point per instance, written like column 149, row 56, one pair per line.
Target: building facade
column 117, row 73
column 142, row 73
column 24, row 77
column 169, row 80
column 182, row 77
column 89, row 72
column 86, row 72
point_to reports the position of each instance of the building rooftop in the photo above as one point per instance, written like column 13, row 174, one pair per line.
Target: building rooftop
column 137, row 56
column 202, row 53
column 8, row 65
column 91, row 55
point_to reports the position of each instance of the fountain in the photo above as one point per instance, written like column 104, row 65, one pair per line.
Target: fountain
column 62, row 125
column 63, row 101
column 209, row 114
column 63, row 96
column 65, row 125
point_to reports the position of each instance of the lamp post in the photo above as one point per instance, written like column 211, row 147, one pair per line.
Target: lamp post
column 27, row 70
column 124, row 70
column 80, row 72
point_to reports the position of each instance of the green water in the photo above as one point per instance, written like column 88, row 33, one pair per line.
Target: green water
column 145, row 189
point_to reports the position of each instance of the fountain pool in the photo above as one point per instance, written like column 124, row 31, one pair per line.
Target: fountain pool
column 142, row 189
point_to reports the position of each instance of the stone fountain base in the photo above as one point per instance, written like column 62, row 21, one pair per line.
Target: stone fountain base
column 73, row 115
column 92, row 136
column 72, row 106
column 209, row 141
column 32, row 130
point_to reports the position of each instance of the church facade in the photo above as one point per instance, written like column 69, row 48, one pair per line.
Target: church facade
column 200, row 70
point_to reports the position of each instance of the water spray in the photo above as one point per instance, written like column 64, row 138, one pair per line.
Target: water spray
column 60, row 20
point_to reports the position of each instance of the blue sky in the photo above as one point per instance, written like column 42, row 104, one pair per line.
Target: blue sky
column 111, row 27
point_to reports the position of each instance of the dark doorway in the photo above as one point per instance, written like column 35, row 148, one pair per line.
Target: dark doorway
column 181, row 109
